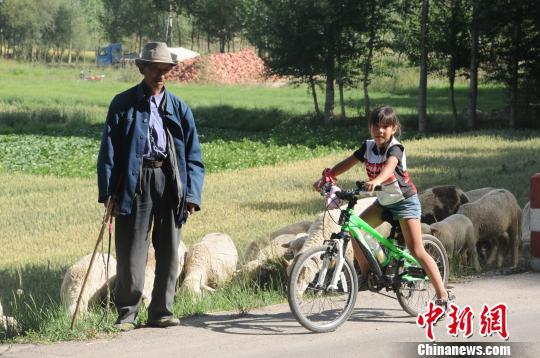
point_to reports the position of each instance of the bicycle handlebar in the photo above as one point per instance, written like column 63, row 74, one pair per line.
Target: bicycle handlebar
column 350, row 195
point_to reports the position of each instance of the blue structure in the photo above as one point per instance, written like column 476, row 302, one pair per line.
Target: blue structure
column 109, row 55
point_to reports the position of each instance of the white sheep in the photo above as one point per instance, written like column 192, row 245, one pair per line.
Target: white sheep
column 255, row 246
column 209, row 263
column 458, row 236
column 282, row 249
column 476, row 194
column 96, row 285
column 496, row 217
column 327, row 224
column 149, row 272
column 7, row 322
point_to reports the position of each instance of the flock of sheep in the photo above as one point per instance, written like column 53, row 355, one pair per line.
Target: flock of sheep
column 482, row 227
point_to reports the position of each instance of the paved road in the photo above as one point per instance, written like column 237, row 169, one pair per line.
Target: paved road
column 377, row 328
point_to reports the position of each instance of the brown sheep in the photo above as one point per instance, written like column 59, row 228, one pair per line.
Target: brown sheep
column 440, row 202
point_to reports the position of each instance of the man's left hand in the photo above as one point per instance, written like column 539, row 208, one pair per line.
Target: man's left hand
column 191, row 208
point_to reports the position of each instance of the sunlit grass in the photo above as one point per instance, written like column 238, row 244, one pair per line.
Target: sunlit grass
column 262, row 154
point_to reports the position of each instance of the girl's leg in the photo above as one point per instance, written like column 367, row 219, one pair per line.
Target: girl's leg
column 412, row 234
column 372, row 215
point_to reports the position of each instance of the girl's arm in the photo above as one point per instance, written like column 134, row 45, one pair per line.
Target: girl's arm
column 344, row 165
column 387, row 171
column 338, row 169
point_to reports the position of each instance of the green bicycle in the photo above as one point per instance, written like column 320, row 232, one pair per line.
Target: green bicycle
column 323, row 283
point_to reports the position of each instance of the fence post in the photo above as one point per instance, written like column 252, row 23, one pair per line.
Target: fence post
column 535, row 222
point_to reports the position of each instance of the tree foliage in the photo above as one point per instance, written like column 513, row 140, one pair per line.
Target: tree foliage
column 320, row 42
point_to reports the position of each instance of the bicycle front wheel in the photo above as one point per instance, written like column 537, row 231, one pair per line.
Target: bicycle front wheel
column 314, row 303
column 414, row 294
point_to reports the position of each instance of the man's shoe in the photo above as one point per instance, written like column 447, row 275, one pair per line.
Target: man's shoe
column 125, row 327
column 163, row 322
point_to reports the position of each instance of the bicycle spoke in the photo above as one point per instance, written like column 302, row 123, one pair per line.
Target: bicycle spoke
column 414, row 296
column 318, row 308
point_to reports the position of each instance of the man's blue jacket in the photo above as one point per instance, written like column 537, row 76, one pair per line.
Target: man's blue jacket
column 122, row 147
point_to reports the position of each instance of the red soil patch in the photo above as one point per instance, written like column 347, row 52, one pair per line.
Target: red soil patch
column 243, row 67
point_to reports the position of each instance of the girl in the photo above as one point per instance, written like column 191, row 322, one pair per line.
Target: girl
column 384, row 159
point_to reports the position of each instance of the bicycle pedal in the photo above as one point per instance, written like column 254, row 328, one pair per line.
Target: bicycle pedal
column 416, row 272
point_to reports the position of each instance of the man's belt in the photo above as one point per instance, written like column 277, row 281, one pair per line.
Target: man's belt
column 153, row 163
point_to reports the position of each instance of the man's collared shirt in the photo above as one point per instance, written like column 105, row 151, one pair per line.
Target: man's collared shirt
column 156, row 142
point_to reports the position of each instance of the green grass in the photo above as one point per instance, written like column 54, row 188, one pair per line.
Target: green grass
column 44, row 320
column 262, row 149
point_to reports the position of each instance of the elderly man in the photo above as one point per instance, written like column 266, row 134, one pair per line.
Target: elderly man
column 150, row 165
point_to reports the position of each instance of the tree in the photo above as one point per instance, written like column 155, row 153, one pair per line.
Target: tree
column 23, row 29
column 113, row 20
column 509, row 29
column 450, row 41
column 473, row 84
column 377, row 21
column 422, row 106
column 220, row 19
column 306, row 39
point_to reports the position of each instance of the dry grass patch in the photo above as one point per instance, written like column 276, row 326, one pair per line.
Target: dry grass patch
column 55, row 220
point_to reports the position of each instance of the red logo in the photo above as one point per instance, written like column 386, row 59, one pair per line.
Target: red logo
column 429, row 318
column 460, row 321
column 494, row 320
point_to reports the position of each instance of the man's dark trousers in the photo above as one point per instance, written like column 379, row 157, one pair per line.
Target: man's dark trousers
column 132, row 240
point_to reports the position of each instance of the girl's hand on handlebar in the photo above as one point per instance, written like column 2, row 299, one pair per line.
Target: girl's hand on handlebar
column 371, row 185
column 318, row 184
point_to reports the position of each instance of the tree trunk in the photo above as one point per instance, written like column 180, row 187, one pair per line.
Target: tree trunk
column 69, row 50
column 367, row 71
column 329, row 99
column 179, row 30
column 422, row 105
column 314, row 94
column 169, row 32
column 473, row 91
column 368, row 63
column 330, row 77
column 452, row 79
column 341, row 98
column 514, row 63
column 453, row 57
column 222, row 43
column 192, row 34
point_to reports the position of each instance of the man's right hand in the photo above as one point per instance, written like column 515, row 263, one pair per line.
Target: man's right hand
column 113, row 202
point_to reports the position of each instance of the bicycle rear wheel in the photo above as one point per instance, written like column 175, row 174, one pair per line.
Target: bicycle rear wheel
column 318, row 307
column 414, row 295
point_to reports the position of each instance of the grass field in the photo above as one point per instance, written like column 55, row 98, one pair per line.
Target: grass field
column 262, row 151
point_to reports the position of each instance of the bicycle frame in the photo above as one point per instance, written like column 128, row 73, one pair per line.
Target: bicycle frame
column 353, row 227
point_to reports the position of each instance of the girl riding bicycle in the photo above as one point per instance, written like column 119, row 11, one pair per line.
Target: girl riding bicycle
column 384, row 159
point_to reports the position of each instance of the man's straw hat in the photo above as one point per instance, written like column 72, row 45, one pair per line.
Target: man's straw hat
column 156, row 52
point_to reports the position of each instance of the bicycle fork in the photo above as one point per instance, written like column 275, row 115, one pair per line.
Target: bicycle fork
column 339, row 246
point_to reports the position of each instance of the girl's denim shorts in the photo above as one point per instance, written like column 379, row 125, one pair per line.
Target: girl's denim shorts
column 408, row 208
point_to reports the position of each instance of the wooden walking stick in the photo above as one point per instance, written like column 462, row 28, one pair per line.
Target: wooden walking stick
column 106, row 216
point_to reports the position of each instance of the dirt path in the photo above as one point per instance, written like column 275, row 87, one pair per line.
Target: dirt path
column 377, row 328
